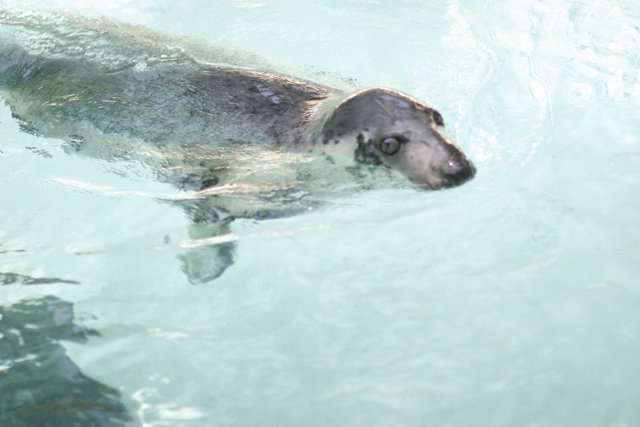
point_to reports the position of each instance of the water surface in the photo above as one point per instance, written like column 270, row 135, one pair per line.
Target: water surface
column 513, row 300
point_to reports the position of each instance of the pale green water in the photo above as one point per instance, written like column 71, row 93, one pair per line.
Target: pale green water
column 513, row 300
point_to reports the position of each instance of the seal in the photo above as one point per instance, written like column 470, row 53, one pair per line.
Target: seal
column 124, row 83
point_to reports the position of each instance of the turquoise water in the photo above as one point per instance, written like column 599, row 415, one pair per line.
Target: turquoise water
column 513, row 300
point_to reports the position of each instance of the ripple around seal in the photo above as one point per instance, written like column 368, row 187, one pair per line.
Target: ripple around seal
column 511, row 300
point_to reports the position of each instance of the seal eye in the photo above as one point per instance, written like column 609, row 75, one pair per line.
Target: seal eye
column 390, row 145
column 437, row 117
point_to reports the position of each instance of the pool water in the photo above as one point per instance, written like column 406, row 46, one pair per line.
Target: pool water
column 513, row 300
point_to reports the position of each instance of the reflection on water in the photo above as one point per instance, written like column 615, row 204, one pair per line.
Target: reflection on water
column 13, row 279
column 40, row 385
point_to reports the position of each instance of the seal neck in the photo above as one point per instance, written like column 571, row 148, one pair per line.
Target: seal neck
column 308, row 119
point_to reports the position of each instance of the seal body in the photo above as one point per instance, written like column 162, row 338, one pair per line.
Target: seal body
column 168, row 97
column 111, row 90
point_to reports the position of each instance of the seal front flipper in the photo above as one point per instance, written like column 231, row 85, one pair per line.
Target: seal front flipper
column 210, row 253
column 212, row 245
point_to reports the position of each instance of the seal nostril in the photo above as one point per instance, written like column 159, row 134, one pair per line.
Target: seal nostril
column 465, row 173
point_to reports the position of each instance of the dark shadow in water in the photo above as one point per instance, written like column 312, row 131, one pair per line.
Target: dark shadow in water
column 21, row 279
column 39, row 384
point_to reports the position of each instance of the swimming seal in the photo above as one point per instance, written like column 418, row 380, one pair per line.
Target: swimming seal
column 94, row 81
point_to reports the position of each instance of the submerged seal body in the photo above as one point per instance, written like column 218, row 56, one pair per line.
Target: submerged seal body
column 99, row 81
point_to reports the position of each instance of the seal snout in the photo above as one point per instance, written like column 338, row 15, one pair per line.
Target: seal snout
column 438, row 164
column 450, row 165
column 457, row 170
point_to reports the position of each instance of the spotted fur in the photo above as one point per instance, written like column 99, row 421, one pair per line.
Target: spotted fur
column 365, row 153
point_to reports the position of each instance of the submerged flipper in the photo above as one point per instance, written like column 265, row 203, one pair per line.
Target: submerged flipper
column 212, row 251
column 212, row 246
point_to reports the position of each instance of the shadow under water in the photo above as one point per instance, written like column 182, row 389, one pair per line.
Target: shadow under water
column 39, row 384
column 21, row 279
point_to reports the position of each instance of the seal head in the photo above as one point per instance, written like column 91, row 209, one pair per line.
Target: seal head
column 381, row 127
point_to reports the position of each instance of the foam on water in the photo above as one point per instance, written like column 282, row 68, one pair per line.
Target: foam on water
column 511, row 300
